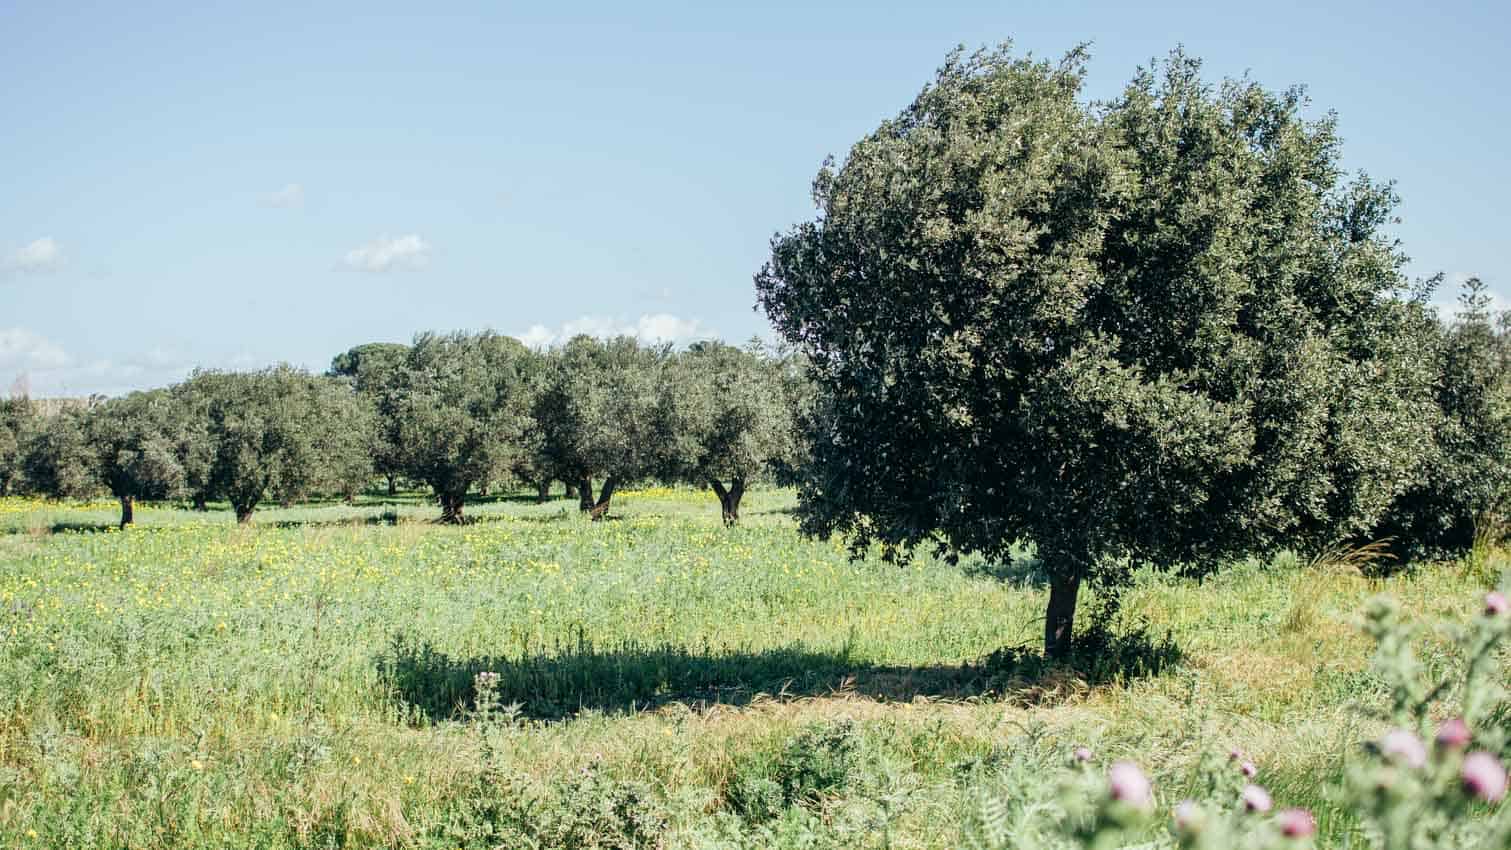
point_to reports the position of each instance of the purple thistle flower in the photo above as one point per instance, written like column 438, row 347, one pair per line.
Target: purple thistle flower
column 1127, row 784
column 1296, row 823
column 1256, row 799
column 1249, row 769
column 1496, row 604
column 1454, row 734
column 1484, row 777
column 1403, row 746
column 1188, row 816
column 1081, row 754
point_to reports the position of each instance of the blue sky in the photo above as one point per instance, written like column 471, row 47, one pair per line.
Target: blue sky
column 182, row 185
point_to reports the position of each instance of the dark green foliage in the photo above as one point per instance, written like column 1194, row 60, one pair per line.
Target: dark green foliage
column 598, row 416
column 1466, row 489
column 731, row 416
column 57, row 459
column 458, row 406
column 16, row 418
column 815, row 763
column 140, row 443
column 280, row 432
column 373, row 369
column 1160, row 331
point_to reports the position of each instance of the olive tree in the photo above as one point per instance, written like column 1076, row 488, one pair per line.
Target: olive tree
column 373, row 368
column 278, row 432
column 139, row 443
column 597, row 416
column 1466, row 490
column 458, row 404
column 731, row 417
column 57, row 460
column 16, row 418
column 1159, row 331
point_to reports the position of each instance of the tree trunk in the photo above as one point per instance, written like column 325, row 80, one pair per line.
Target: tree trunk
column 585, row 494
column 1060, row 616
column 393, row 485
column 243, row 514
column 542, row 491
column 482, row 489
column 601, row 507
column 571, row 490
column 128, row 510
column 729, row 500
column 199, row 502
column 451, row 508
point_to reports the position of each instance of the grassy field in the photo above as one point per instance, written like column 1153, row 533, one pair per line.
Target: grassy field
column 662, row 682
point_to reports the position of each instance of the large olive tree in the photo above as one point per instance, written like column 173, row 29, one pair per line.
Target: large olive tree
column 458, row 405
column 597, row 416
column 1158, row 331
column 730, row 417
column 278, row 432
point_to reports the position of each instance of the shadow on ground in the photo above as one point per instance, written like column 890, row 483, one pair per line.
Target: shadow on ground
column 634, row 677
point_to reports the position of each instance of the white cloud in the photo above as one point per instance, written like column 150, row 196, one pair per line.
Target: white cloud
column 40, row 255
column 37, row 363
column 384, row 254
column 22, row 350
column 289, row 197
column 649, row 328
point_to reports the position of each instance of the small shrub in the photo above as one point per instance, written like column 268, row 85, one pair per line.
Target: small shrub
column 811, row 765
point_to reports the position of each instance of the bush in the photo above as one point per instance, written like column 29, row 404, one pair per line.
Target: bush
column 811, row 765
column 1465, row 489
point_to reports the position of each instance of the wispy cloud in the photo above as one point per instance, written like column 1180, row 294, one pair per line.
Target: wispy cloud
column 33, row 363
column 385, row 254
column 649, row 328
column 289, row 197
column 23, row 350
column 40, row 255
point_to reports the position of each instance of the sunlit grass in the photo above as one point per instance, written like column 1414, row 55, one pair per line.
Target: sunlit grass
column 188, row 682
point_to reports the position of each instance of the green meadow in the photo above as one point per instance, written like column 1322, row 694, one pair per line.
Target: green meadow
column 311, row 680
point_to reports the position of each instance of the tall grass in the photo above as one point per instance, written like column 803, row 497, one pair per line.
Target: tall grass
column 311, row 680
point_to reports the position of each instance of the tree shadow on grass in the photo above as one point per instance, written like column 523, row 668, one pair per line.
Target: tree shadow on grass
column 1024, row 571
column 631, row 676
column 62, row 527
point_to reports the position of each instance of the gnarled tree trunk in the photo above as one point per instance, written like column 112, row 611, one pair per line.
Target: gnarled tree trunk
column 1060, row 616
column 451, row 507
column 128, row 510
column 200, row 501
column 585, row 494
column 542, row 491
column 393, row 484
column 243, row 513
column 729, row 500
column 601, row 507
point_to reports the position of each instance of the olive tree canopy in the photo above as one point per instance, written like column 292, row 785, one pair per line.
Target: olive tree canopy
column 458, row 405
column 279, row 432
column 1162, row 331
column 731, row 417
column 597, row 415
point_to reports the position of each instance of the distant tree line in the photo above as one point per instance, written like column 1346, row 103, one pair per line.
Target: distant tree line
column 456, row 413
